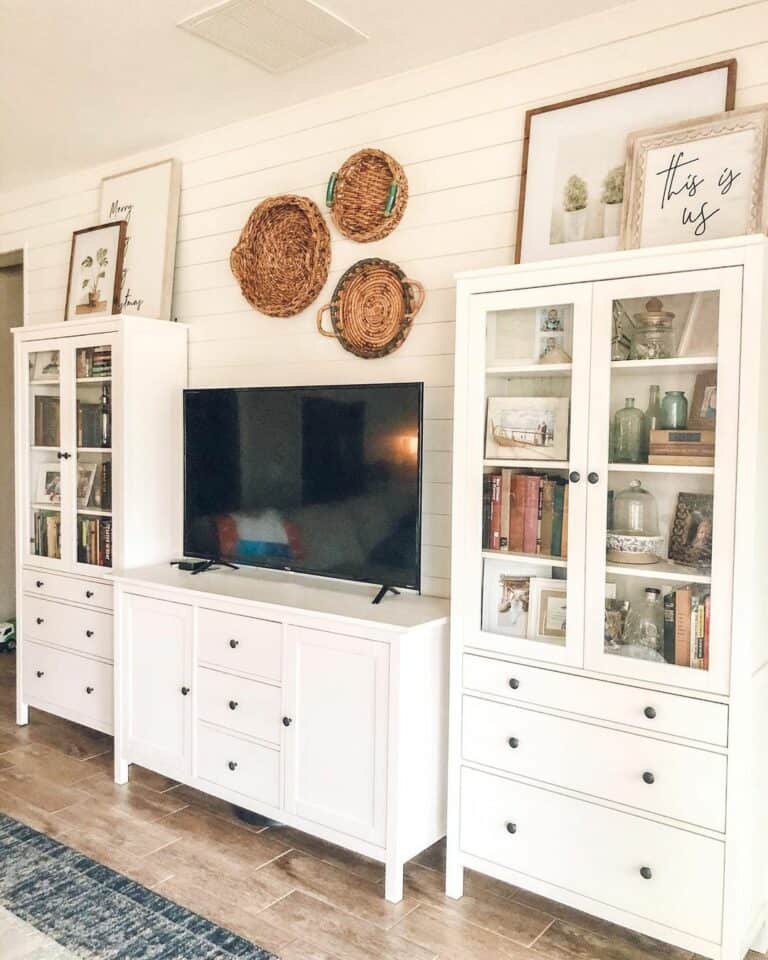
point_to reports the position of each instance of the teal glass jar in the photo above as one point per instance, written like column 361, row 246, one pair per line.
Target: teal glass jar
column 674, row 410
column 628, row 433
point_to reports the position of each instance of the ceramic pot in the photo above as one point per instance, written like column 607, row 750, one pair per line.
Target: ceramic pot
column 633, row 548
column 574, row 224
column 612, row 219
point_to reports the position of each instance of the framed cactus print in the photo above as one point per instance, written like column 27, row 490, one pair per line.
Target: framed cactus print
column 95, row 272
column 574, row 156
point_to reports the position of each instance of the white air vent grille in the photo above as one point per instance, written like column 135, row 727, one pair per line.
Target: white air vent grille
column 277, row 35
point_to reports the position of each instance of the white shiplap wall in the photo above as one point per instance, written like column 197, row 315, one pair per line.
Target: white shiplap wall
column 457, row 127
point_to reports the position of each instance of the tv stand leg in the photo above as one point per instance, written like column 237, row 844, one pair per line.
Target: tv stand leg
column 383, row 592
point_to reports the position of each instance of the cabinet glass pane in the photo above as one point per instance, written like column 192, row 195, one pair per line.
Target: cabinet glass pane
column 44, row 463
column 526, row 474
column 661, row 513
column 93, row 370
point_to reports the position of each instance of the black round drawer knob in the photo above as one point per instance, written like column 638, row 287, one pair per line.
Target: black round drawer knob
column 39, row 583
column 574, row 476
column 514, row 683
column 648, row 777
column 234, row 643
column 513, row 742
column 232, row 765
column 646, row 873
column 89, row 690
column 39, row 673
column 89, row 633
column 233, row 704
column 184, row 691
column 593, row 477
column 287, row 721
column 39, row 620
column 511, row 827
column 650, row 712
column 89, row 594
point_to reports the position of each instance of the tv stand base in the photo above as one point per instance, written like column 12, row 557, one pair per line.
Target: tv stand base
column 383, row 592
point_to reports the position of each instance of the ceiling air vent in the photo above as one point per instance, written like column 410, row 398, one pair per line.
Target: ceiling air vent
column 277, row 35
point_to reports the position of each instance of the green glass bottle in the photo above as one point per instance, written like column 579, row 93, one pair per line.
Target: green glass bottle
column 653, row 416
column 628, row 433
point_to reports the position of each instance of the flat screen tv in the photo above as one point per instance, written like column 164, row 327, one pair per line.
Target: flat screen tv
column 317, row 480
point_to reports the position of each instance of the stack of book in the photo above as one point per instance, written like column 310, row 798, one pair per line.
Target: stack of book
column 101, row 494
column 525, row 513
column 94, row 362
column 686, row 627
column 46, row 534
column 686, row 448
column 94, row 541
column 46, row 421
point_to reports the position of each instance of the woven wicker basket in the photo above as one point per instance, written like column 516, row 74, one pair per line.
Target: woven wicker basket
column 372, row 308
column 368, row 195
column 283, row 256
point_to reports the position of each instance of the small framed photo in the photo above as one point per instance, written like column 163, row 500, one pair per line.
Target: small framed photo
column 703, row 412
column 553, row 330
column 85, row 476
column 44, row 366
column 527, row 428
column 95, row 272
column 506, row 596
column 690, row 541
column 547, row 610
column 48, row 483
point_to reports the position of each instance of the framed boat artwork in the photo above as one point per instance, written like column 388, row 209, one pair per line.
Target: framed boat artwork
column 527, row 428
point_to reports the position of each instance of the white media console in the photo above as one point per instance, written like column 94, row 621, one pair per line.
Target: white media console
column 293, row 697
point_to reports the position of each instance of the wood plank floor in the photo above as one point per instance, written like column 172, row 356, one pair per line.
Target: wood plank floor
column 297, row 896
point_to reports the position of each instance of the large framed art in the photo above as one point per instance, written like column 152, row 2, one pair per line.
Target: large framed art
column 574, row 153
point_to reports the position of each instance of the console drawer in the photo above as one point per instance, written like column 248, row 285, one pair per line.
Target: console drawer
column 85, row 631
column 668, row 713
column 687, row 783
column 242, row 644
column 244, row 706
column 596, row 852
column 58, row 681
column 236, row 764
column 89, row 593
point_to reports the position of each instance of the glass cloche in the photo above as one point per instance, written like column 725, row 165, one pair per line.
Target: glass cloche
column 634, row 535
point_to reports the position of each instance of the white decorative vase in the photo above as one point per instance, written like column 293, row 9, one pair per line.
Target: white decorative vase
column 574, row 224
column 612, row 219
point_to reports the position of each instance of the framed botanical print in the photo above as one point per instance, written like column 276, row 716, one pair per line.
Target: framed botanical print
column 574, row 153
column 95, row 272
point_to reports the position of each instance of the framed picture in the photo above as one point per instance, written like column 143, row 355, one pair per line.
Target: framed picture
column 547, row 610
column 85, row 476
column 553, row 333
column 527, row 428
column 48, row 488
column 698, row 336
column 506, row 596
column 95, row 271
column 44, row 365
column 147, row 198
column 703, row 412
column 699, row 179
column 574, row 153
column 690, row 541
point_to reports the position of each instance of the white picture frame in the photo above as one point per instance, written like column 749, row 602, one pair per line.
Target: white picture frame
column 527, row 428
column 48, row 484
column 553, row 339
column 702, row 179
column 86, row 473
column 147, row 198
column 45, row 367
column 512, row 622
column 547, row 611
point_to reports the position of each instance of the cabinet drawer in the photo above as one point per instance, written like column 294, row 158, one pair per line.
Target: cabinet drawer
column 649, row 710
column 687, row 783
column 56, row 680
column 238, row 765
column 596, row 852
column 245, row 706
column 85, row 631
column 89, row 593
column 242, row 644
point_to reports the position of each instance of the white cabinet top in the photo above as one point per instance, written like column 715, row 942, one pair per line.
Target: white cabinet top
column 310, row 595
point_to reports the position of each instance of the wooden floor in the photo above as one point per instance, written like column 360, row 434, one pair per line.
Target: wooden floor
column 299, row 897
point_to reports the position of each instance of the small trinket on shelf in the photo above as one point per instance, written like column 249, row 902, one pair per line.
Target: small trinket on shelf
column 653, row 335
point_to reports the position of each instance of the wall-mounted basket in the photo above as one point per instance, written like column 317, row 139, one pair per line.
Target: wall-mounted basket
column 283, row 256
column 367, row 195
column 372, row 308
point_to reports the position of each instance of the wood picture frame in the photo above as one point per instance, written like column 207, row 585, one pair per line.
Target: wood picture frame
column 703, row 411
column 712, row 84
column 702, row 179
column 547, row 610
column 95, row 303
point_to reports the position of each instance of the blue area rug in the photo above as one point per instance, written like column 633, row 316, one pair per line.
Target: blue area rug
column 91, row 911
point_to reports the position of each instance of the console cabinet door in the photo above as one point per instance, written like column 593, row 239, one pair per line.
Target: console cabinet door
column 336, row 743
column 157, row 651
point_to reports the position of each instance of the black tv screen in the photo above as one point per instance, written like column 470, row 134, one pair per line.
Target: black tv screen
column 320, row 480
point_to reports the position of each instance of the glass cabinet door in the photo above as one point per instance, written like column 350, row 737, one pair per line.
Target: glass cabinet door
column 526, row 371
column 662, row 461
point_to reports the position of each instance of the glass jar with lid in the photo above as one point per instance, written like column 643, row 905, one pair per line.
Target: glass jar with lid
column 634, row 536
column 653, row 336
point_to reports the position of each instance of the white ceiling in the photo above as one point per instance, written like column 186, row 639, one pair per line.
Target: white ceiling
column 84, row 82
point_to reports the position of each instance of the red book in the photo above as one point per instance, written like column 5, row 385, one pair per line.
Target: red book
column 706, row 631
column 516, row 513
column 506, row 490
column 496, row 512
column 531, row 513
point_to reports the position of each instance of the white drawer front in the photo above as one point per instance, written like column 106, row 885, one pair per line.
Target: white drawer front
column 57, row 680
column 85, row 631
column 242, row 644
column 89, row 593
column 686, row 783
column 245, row 706
column 596, row 852
column 238, row 765
column 667, row 713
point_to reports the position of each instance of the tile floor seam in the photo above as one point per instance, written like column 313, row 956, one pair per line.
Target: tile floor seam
column 536, row 939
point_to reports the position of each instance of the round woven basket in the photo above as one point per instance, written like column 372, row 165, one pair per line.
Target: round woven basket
column 282, row 258
column 372, row 308
column 368, row 195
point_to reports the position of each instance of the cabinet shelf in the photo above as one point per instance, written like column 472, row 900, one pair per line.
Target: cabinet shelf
column 663, row 570
column 526, row 464
column 528, row 369
column 93, row 512
column 660, row 468
column 691, row 364
column 93, row 380
column 46, row 506
column 539, row 559
column 94, row 449
column 44, row 383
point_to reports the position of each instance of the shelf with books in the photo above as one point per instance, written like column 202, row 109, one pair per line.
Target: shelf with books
column 666, row 570
column 94, row 539
column 529, row 369
column 660, row 468
column 690, row 364
column 93, row 512
column 539, row 559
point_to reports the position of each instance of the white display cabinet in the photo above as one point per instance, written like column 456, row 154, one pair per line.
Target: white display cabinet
column 609, row 667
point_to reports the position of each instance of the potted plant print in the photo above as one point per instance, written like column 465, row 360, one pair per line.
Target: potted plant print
column 96, row 270
column 575, row 198
column 612, row 199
